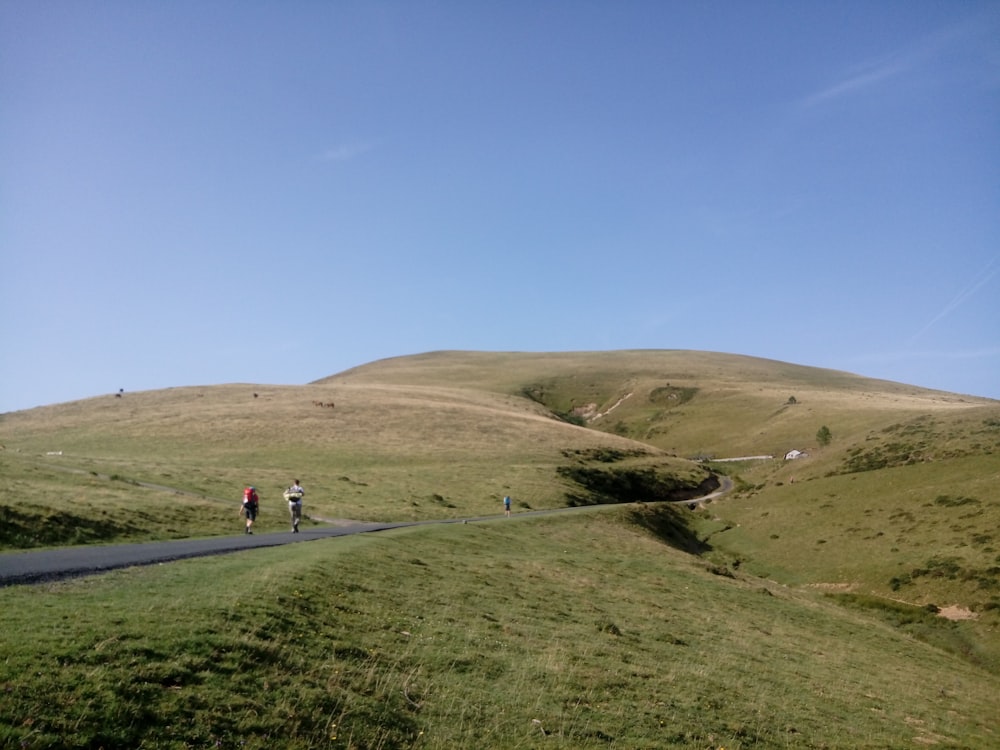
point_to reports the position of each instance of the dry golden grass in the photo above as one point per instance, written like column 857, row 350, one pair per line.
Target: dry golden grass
column 382, row 452
column 740, row 407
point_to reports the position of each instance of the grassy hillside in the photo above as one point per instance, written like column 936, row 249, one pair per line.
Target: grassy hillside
column 174, row 462
column 688, row 403
column 849, row 598
column 900, row 503
column 572, row 632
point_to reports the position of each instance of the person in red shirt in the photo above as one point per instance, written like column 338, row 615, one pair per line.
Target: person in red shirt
column 249, row 507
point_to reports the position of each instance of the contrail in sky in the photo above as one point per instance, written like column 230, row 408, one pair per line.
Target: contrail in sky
column 875, row 74
column 902, row 60
column 985, row 275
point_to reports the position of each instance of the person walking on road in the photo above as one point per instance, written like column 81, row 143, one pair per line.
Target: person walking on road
column 294, row 497
column 250, row 507
column 506, row 505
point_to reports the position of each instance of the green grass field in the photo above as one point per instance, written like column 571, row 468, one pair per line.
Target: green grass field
column 804, row 609
column 569, row 632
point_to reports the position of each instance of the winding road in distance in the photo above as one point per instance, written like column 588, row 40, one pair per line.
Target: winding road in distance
column 40, row 566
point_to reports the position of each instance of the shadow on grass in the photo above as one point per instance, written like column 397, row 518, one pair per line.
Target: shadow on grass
column 603, row 485
column 669, row 524
column 22, row 530
column 651, row 490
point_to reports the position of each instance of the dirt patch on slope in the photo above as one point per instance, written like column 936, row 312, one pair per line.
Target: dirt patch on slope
column 956, row 612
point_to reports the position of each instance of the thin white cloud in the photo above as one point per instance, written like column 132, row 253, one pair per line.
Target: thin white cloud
column 963, row 296
column 871, row 76
column 346, row 151
column 896, row 63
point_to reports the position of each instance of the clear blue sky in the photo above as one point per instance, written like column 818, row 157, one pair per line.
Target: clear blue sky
column 271, row 192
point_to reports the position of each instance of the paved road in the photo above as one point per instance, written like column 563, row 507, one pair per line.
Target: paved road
column 38, row 566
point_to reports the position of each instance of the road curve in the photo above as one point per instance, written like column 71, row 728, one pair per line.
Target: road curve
column 39, row 566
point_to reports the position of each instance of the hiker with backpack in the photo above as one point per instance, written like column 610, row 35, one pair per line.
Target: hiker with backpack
column 294, row 497
column 249, row 507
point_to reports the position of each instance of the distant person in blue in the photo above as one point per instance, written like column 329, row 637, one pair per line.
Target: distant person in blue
column 294, row 497
column 506, row 505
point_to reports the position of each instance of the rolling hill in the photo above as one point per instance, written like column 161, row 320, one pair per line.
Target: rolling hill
column 899, row 501
column 887, row 521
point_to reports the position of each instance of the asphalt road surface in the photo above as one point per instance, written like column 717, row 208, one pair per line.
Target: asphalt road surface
column 38, row 566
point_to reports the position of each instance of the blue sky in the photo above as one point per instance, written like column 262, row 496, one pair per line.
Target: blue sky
column 271, row 192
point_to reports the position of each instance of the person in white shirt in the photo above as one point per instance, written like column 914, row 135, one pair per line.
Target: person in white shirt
column 294, row 496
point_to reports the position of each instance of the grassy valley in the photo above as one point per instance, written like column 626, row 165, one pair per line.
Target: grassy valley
column 847, row 598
